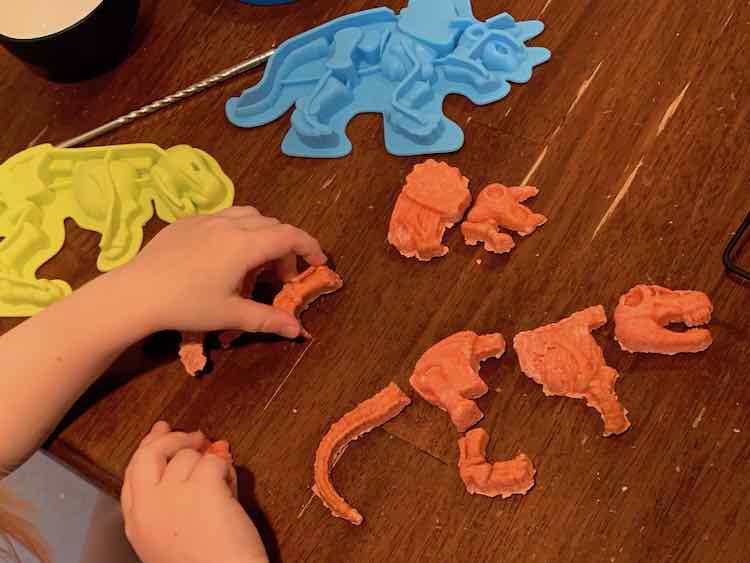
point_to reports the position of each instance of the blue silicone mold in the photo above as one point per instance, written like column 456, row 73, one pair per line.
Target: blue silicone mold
column 401, row 66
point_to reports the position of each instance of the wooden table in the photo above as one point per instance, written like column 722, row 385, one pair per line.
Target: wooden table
column 636, row 133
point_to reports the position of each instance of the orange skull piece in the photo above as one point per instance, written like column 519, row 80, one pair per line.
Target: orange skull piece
column 644, row 312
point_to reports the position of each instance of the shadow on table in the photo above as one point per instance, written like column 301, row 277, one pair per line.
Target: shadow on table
column 246, row 492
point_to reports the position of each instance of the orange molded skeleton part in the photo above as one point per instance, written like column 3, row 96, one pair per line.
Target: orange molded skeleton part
column 499, row 206
column 221, row 449
column 643, row 314
column 434, row 198
column 302, row 290
column 502, row 478
column 566, row 360
column 192, row 353
column 447, row 375
column 369, row 414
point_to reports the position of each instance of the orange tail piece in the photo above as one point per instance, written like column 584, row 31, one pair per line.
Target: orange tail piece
column 643, row 314
column 447, row 375
column 434, row 198
column 369, row 414
column 566, row 360
column 192, row 353
column 506, row 478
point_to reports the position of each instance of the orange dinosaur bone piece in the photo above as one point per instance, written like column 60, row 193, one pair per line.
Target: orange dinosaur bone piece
column 503, row 478
column 500, row 206
column 369, row 414
column 192, row 354
column 447, row 375
column 566, row 360
column 302, row 290
column 644, row 312
column 220, row 449
column 434, row 198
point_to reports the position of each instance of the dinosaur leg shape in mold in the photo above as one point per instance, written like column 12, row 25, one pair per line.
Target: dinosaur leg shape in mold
column 498, row 206
column 566, row 360
column 642, row 316
column 112, row 190
column 434, row 198
column 502, row 478
column 447, row 375
column 373, row 412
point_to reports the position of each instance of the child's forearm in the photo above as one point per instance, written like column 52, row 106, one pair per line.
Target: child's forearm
column 49, row 360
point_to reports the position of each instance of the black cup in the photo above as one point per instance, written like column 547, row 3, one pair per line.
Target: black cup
column 84, row 49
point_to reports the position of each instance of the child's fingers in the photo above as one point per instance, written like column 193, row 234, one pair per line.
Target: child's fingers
column 239, row 211
column 149, row 462
column 251, row 316
column 126, row 497
column 181, row 466
column 286, row 267
column 281, row 240
column 161, row 428
column 212, row 469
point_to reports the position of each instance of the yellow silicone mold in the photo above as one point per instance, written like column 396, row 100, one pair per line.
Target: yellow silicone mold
column 105, row 189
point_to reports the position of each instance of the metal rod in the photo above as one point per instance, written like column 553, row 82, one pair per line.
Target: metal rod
column 169, row 100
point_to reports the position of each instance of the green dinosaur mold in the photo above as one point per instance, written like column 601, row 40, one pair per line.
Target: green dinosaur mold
column 105, row 189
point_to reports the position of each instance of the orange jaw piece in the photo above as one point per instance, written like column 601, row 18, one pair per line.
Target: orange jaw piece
column 447, row 375
column 502, row 478
column 221, row 449
column 192, row 353
column 498, row 206
column 434, row 198
column 369, row 414
column 642, row 316
column 302, row 290
column 566, row 360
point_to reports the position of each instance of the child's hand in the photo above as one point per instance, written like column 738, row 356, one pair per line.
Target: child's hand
column 179, row 504
column 189, row 276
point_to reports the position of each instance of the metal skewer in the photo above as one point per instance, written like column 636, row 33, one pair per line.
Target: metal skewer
column 196, row 88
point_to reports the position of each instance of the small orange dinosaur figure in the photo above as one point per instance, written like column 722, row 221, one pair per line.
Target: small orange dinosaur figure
column 369, row 414
column 447, row 375
column 566, row 360
column 299, row 292
column 192, row 354
column 644, row 312
column 220, row 449
column 505, row 478
column 499, row 206
column 434, row 198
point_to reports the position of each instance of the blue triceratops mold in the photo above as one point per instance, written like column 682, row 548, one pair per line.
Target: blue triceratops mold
column 402, row 66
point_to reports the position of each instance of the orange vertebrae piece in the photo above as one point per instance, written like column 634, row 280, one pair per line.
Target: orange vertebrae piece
column 499, row 206
column 369, row 414
column 447, row 375
column 643, row 314
column 434, row 198
column 502, row 478
column 192, row 354
column 566, row 360
column 299, row 292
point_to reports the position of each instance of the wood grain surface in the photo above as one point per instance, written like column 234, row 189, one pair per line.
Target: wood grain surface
column 636, row 133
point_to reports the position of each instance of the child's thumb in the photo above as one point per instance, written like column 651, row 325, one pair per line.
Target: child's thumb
column 258, row 317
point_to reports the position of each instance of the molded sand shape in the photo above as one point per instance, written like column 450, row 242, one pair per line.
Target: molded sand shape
column 447, row 375
column 401, row 66
column 643, row 314
column 498, row 206
column 373, row 412
column 502, row 478
column 434, row 198
column 112, row 190
column 566, row 360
